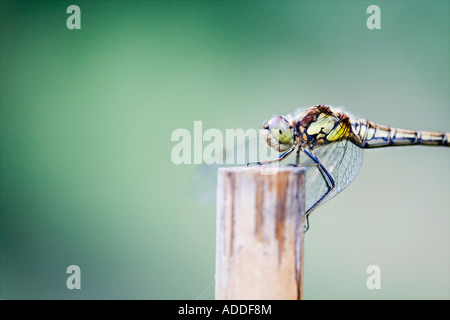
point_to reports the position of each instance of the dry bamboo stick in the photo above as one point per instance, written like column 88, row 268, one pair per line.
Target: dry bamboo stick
column 260, row 233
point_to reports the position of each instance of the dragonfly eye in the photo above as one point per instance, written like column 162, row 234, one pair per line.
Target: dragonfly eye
column 280, row 129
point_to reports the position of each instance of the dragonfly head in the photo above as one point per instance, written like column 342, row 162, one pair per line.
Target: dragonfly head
column 278, row 133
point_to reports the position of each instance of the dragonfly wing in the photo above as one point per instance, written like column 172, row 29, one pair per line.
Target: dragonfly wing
column 203, row 180
column 342, row 160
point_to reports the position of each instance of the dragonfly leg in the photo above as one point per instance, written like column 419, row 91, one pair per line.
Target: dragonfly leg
column 280, row 157
column 306, row 222
column 328, row 180
column 297, row 160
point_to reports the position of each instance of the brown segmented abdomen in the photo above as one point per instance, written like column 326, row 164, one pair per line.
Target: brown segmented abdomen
column 368, row 134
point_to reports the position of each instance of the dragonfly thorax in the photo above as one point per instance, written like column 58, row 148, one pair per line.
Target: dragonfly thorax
column 316, row 126
column 320, row 125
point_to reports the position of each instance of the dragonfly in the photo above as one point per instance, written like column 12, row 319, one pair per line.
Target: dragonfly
column 329, row 143
column 333, row 142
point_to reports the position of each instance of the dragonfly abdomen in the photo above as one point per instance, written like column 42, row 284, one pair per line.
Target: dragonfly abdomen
column 369, row 134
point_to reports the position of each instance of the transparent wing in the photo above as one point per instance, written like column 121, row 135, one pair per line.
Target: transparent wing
column 342, row 160
column 203, row 181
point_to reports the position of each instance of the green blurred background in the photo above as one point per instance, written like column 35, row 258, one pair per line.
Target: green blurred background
column 86, row 118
